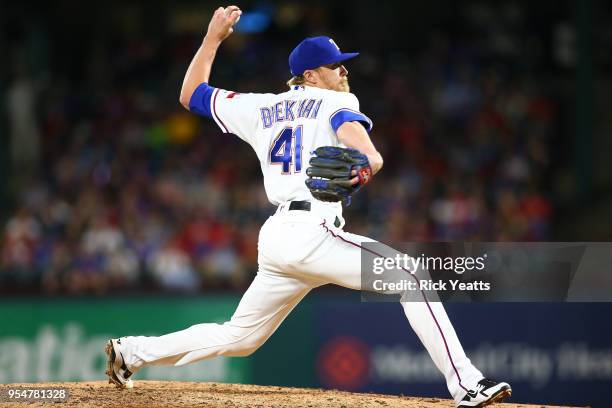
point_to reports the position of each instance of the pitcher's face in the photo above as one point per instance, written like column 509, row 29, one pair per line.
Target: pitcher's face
column 335, row 77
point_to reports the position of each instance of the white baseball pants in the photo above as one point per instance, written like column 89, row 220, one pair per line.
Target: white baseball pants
column 298, row 251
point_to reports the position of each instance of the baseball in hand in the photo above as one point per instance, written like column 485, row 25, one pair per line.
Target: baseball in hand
column 228, row 11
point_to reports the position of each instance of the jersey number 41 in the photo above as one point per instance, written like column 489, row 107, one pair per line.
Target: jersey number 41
column 287, row 150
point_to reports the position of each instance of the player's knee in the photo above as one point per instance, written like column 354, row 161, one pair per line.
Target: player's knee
column 247, row 346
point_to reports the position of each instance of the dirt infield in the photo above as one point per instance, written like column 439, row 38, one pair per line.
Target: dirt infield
column 214, row 395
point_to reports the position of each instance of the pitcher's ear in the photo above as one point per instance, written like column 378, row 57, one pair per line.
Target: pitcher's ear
column 310, row 75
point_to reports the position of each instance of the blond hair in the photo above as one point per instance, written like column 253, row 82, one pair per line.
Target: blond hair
column 297, row 80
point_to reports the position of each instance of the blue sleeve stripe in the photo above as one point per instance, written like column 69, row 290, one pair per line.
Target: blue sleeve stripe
column 200, row 100
column 346, row 115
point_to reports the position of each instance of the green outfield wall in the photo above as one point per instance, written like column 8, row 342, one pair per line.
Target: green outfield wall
column 63, row 340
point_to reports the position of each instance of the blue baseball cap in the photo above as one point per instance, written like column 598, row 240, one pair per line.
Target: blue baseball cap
column 314, row 52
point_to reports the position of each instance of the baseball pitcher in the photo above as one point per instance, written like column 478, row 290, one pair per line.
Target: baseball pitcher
column 315, row 151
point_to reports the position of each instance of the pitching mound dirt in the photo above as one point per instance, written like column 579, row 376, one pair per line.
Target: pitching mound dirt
column 214, row 395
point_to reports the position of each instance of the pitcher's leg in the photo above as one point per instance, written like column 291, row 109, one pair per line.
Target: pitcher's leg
column 433, row 327
column 428, row 319
column 265, row 304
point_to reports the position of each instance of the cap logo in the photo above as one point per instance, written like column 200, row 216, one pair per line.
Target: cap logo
column 335, row 45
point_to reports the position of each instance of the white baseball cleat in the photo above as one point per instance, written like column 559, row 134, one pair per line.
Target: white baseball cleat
column 485, row 393
column 116, row 370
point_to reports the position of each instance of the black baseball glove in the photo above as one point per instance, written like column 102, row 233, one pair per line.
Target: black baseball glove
column 330, row 173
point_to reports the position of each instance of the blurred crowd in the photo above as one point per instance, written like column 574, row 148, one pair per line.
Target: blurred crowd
column 120, row 189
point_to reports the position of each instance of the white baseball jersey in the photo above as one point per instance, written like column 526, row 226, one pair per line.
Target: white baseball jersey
column 283, row 129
